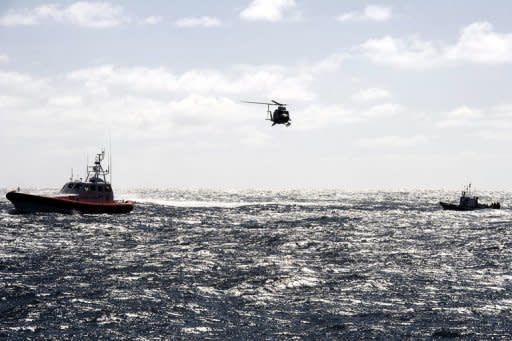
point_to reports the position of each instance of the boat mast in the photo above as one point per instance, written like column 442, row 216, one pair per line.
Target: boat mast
column 110, row 158
column 96, row 171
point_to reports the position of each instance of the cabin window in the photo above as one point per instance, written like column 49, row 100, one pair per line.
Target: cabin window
column 92, row 187
column 86, row 187
column 77, row 186
column 70, row 185
column 108, row 189
column 100, row 188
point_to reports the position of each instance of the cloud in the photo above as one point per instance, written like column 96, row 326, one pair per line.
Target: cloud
column 329, row 64
column 464, row 112
column 496, row 118
column 503, row 110
column 478, row 43
column 9, row 101
column 203, row 21
column 370, row 13
column 267, row 10
column 152, row 20
column 493, row 135
column 267, row 80
column 251, row 137
column 4, row 58
column 151, row 102
column 461, row 116
column 408, row 54
column 59, row 111
column 85, row 14
column 318, row 116
column 371, row 95
column 65, row 101
column 19, row 83
column 383, row 110
column 392, row 141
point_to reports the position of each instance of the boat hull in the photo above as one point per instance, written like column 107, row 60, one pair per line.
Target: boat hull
column 453, row 207
column 27, row 203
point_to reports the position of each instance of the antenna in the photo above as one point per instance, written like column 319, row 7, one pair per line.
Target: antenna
column 110, row 158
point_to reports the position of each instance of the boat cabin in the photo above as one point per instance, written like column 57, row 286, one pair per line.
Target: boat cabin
column 89, row 190
column 95, row 186
column 468, row 202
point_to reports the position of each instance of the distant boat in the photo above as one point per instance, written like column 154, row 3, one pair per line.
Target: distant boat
column 468, row 202
column 94, row 195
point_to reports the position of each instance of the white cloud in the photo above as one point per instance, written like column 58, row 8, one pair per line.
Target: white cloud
column 152, row 20
column 267, row 10
column 4, row 58
column 94, row 14
column 371, row 95
column 383, row 110
column 319, row 116
column 464, row 112
column 461, row 116
column 151, row 102
column 203, row 21
column 493, row 135
column 497, row 118
column 9, row 101
column 85, row 14
column 19, row 83
column 503, row 109
column 370, row 13
column 410, row 54
column 269, row 81
column 477, row 43
column 66, row 101
column 328, row 64
column 251, row 137
column 392, row 141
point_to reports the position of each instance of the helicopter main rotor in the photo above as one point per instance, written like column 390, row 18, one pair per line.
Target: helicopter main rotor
column 265, row 103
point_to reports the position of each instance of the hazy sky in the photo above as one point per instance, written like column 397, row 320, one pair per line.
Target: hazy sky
column 382, row 95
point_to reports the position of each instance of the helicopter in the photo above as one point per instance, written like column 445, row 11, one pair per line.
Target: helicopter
column 280, row 115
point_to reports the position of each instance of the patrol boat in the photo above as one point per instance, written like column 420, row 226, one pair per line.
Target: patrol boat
column 94, row 195
column 468, row 202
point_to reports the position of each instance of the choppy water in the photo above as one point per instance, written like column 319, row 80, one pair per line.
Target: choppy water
column 259, row 265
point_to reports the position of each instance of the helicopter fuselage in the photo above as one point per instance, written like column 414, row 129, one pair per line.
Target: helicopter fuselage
column 280, row 116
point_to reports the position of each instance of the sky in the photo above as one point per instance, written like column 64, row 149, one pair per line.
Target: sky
column 385, row 95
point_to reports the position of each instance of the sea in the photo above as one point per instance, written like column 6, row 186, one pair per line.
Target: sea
column 260, row 265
